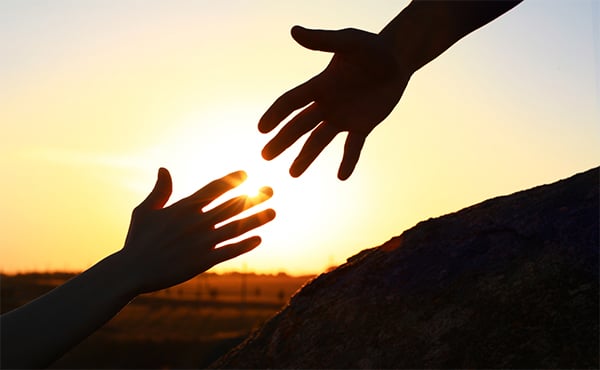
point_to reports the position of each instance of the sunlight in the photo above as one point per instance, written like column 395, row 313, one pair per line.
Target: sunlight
column 195, row 161
column 252, row 187
column 253, row 184
column 305, row 207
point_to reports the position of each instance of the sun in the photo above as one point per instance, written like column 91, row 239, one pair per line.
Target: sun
column 308, row 220
column 260, row 178
column 254, row 183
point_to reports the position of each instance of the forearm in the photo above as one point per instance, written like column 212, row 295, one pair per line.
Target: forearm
column 38, row 333
column 426, row 28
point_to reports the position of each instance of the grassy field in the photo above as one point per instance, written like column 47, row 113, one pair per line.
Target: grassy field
column 187, row 326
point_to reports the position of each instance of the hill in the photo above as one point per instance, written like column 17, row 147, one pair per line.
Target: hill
column 511, row 282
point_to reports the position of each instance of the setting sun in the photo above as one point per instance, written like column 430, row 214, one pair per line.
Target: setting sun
column 94, row 101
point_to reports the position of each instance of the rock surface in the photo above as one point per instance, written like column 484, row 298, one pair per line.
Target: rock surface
column 508, row 283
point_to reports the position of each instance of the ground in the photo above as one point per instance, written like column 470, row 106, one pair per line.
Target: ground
column 187, row 326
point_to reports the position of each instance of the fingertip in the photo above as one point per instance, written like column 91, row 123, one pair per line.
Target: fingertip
column 295, row 173
column 240, row 176
column 266, row 190
column 267, row 154
column 230, row 251
column 254, row 242
column 299, row 34
column 268, row 121
column 270, row 214
column 296, row 170
column 264, row 127
column 295, row 29
column 163, row 174
column 249, row 244
column 162, row 190
column 346, row 170
column 344, row 174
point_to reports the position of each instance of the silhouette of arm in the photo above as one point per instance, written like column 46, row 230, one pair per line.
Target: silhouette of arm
column 366, row 77
column 427, row 28
column 164, row 247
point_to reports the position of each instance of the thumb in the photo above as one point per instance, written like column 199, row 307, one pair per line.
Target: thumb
column 326, row 40
column 159, row 196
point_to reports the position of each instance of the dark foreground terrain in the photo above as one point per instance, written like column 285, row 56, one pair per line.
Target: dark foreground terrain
column 187, row 326
column 508, row 283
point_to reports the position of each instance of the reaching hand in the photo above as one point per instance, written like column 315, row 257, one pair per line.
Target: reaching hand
column 359, row 88
column 167, row 246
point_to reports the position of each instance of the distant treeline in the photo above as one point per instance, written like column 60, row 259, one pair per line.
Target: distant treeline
column 67, row 275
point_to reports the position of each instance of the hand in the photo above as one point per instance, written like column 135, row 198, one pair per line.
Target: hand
column 167, row 246
column 359, row 88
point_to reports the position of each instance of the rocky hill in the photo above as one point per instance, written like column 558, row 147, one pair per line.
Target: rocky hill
column 508, row 283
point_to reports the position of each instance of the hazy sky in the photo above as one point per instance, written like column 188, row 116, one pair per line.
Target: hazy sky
column 95, row 95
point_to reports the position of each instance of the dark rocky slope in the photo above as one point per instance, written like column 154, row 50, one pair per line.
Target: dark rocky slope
column 511, row 282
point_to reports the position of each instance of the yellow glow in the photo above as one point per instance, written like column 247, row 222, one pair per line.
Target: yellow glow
column 93, row 102
column 252, row 187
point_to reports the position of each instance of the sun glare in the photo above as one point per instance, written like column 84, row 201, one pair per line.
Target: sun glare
column 207, row 145
column 252, row 186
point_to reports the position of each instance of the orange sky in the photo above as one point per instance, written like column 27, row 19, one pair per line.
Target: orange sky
column 96, row 95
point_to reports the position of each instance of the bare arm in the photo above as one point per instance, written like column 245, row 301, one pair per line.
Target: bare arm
column 164, row 247
column 427, row 28
column 35, row 335
column 366, row 77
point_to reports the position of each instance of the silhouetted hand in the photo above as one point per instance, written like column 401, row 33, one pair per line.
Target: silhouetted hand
column 359, row 88
column 164, row 246
column 167, row 246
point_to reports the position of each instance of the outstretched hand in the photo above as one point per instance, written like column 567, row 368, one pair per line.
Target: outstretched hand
column 167, row 246
column 357, row 90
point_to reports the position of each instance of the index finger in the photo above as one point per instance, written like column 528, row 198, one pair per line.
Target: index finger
column 237, row 205
column 216, row 188
column 295, row 98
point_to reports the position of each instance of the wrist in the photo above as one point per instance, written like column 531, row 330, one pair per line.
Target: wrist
column 122, row 275
column 405, row 36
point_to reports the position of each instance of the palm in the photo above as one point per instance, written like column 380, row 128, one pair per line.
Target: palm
column 359, row 88
column 169, row 245
column 355, row 96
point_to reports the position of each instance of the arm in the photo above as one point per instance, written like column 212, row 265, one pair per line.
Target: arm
column 435, row 25
column 164, row 247
column 366, row 77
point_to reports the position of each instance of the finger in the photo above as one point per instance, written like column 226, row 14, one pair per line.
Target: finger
column 305, row 121
column 352, row 149
column 239, row 227
column 215, row 189
column 327, row 40
column 317, row 141
column 294, row 99
column 159, row 196
column 237, row 205
column 230, row 251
